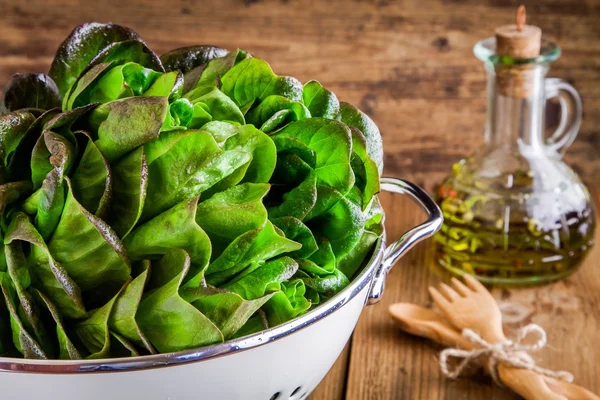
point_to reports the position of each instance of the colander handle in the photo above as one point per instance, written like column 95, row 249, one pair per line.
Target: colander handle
column 396, row 249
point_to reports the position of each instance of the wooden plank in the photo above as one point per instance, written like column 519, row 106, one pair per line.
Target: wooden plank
column 388, row 364
column 333, row 387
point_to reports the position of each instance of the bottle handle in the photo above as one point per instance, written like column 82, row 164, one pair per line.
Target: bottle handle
column 570, row 115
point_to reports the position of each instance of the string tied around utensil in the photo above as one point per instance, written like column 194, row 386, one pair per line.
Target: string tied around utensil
column 513, row 353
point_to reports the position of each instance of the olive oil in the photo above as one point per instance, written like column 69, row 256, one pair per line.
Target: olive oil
column 495, row 239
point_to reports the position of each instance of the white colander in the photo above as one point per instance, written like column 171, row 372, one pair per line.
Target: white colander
column 285, row 362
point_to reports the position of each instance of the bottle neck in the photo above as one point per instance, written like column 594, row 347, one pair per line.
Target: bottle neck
column 516, row 104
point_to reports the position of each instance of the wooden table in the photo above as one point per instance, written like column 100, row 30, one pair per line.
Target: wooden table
column 408, row 64
column 381, row 362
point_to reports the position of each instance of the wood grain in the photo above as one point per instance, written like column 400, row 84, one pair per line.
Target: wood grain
column 409, row 64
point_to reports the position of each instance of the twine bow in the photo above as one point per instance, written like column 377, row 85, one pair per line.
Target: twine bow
column 510, row 353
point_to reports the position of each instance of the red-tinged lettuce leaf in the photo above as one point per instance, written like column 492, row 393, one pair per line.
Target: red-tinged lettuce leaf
column 184, row 164
column 252, row 80
column 248, row 249
column 20, row 277
column 94, row 332
column 36, row 91
column 92, row 180
column 230, row 213
column 355, row 118
column 22, row 340
column 47, row 203
column 216, row 103
column 191, row 62
column 174, row 228
column 50, row 276
column 131, row 50
column 13, row 128
column 81, row 47
column 66, row 348
column 90, row 251
column 216, row 68
column 19, row 160
column 7, row 349
column 11, row 193
column 124, row 125
column 130, row 177
column 122, row 319
column 320, row 101
column 227, row 310
column 332, row 143
column 275, row 112
column 263, row 279
column 180, row 326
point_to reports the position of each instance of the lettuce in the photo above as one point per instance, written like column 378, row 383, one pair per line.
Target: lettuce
column 155, row 204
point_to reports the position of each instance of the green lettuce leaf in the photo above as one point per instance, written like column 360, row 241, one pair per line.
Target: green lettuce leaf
column 122, row 319
column 355, row 118
column 252, row 80
column 174, row 228
column 231, row 213
column 320, row 101
column 288, row 303
column 227, row 310
column 183, row 164
column 263, row 279
column 216, row 103
column 180, row 326
column 216, row 68
column 130, row 177
column 67, row 350
column 331, row 141
column 90, row 251
column 276, row 111
column 92, row 181
column 250, row 248
column 94, row 332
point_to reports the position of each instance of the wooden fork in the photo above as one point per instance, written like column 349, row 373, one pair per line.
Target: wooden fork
column 472, row 306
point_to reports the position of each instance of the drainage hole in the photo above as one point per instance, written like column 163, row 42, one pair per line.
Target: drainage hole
column 295, row 392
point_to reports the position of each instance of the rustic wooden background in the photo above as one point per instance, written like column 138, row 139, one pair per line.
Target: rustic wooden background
column 409, row 65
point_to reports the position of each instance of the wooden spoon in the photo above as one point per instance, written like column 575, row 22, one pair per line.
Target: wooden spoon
column 427, row 323
column 473, row 307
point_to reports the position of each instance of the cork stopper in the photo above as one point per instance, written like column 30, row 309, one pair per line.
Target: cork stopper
column 517, row 41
